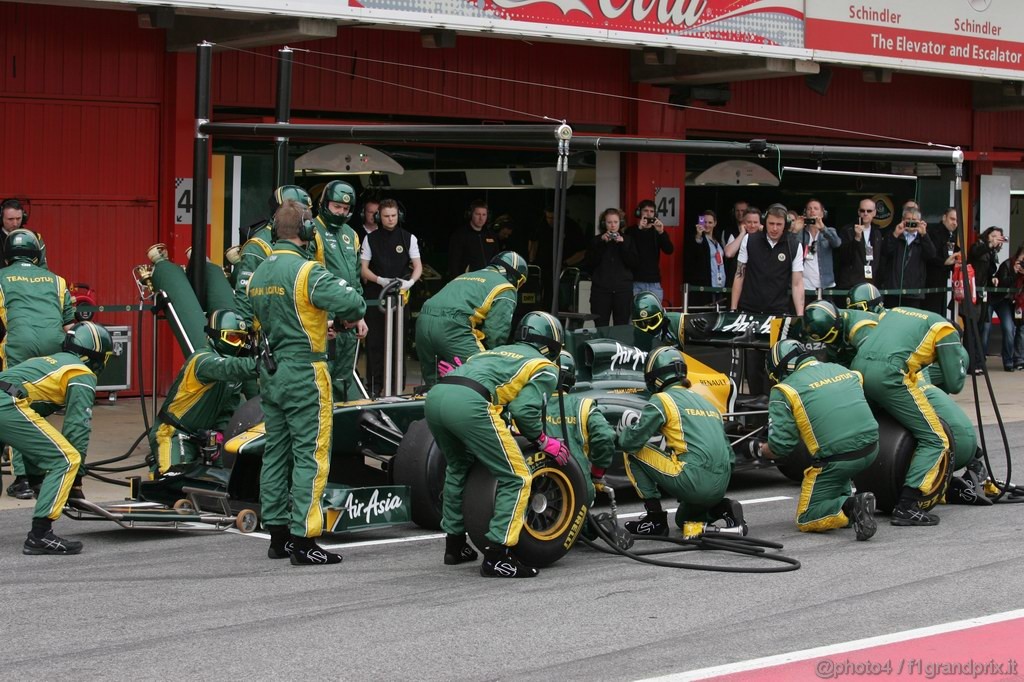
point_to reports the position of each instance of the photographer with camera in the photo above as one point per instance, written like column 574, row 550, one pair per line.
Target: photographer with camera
column 651, row 241
column 1010, row 309
column 905, row 256
column 818, row 241
column 611, row 258
column 705, row 261
column 984, row 258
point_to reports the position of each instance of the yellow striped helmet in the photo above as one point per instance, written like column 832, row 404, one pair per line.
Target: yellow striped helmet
column 648, row 315
column 665, row 366
column 513, row 265
column 865, row 297
column 783, row 358
column 542, row 331
column 821, row 322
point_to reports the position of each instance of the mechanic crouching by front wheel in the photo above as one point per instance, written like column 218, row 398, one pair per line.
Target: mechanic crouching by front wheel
column 291, row 296
column 823, row 405
column 591, row 439
column 36, row 389
column 204, row 394
column 694, row 462
column 467, row 412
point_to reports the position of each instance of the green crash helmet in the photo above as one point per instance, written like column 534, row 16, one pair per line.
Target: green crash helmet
column 229, row 333
column 566, row 371
column 648, row 315
column 865, row 297
column 286, row 192
column 821, row 322
column 22, row 244
column 513, row 266
column 783, row 358
column 342, row 193
column 542, row 331
column 665, row 366
column 91, row 342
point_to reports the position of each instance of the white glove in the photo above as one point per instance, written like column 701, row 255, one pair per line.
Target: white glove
column 407, row 284
column 384, row 281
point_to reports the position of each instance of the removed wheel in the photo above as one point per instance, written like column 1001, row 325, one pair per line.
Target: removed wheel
column 419, row 464
column 246, row 521
column 555, row 513
column 184, row 505
column 885, row 476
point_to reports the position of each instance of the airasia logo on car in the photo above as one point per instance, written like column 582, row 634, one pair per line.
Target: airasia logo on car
column 677, row 12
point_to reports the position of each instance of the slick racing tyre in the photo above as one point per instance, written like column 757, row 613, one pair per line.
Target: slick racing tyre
column 420, row 464
column 555, row 514
column 885, row 476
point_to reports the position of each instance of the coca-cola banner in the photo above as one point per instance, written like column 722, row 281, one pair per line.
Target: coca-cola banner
column 753, row 26
column 967, row 37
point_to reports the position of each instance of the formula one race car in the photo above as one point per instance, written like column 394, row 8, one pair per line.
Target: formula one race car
column 387, row 469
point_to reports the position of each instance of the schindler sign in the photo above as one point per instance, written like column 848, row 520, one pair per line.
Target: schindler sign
column 962, row 37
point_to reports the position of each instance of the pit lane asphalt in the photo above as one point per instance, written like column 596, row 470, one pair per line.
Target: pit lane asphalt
column 147, row 604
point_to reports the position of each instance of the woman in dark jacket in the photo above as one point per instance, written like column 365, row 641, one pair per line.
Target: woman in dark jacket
column 611, row 258
column 983, row 257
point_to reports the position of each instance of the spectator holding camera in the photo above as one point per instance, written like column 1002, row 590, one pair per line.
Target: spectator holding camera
column 984, row 258
column 705, row 260
column 818, row 241
column 1010, row 309
column 611, row 258
column 651, row 241
column 906, row 251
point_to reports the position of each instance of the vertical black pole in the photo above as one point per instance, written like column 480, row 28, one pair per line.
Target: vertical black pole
column 200, row 171
column 563, row 134
column 283, row 111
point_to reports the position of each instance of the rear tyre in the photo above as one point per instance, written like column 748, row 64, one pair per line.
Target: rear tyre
column 555, row 514
column 420, row 464
column 886, row 474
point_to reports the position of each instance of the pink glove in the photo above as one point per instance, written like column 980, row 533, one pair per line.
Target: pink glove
column 444, row 367
column 553, row 447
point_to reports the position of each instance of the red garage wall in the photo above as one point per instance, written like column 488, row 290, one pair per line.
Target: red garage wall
column 79, row 128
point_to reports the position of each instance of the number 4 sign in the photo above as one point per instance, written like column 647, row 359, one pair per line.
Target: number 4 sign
column 183, row 201
column 667, row 201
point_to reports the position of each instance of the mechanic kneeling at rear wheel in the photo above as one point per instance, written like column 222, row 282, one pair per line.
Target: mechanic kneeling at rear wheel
column 465, row 414
column 696, row 462
column 823, row 404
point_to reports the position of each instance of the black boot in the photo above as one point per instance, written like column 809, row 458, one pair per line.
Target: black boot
column 500, row 562
column 305, row 552
column 860, row 509
column 908, row 511
column 729, row 511
column 41, row 540
column 457, row 550
column 280, row 542
column 20, row 488
column 651, row 523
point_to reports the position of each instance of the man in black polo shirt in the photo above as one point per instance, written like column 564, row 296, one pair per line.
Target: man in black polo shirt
column 389, row 253
column 473, row 245
column 769, row 272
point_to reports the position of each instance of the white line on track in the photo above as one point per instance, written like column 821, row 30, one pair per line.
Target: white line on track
column 832, row 649
column 436, row 536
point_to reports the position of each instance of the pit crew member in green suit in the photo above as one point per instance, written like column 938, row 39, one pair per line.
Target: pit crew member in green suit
column 291, row 296
column 31, row 391
column 803, row 406
column 591, row 440
column 36, row 310
column 204, row 394
column 694, row 461
column 258, row 247
column 905, row 341
column 843, row 331
column 337, row 249
column 467, row 412
column 650, row 318
column 471, row 313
